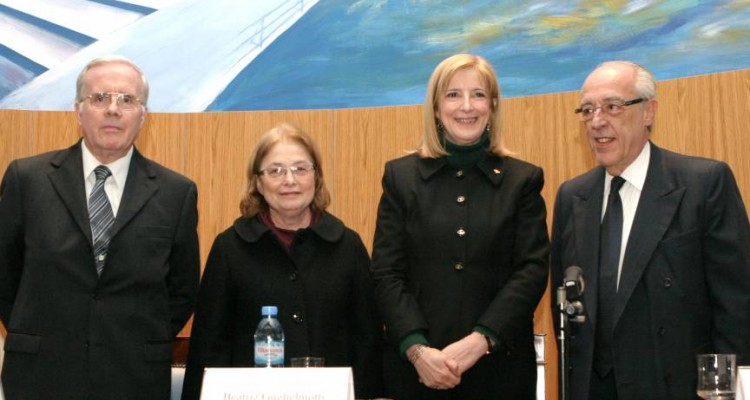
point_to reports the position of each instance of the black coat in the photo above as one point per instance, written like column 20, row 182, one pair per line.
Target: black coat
column 458, row 248
column 685, row 280
column 74, row 335
column 322, row 289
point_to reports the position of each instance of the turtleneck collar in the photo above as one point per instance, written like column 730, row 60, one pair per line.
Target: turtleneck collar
column 465, row 156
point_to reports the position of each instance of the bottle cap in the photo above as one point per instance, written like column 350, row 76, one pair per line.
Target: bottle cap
column 269, row 310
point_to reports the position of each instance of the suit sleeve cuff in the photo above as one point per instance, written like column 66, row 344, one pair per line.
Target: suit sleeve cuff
column 416, row 337
column 487, row 332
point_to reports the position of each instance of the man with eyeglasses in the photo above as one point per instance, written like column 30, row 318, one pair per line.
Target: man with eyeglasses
column 99, row 261
column 666, row 257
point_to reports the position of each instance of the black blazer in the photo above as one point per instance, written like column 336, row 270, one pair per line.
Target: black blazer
column 685, row 283
column 458, row 248
column 72, row 334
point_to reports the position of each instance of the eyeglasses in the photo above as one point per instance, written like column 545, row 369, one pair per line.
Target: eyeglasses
column 279, row 171
column 612, row 107
column 102, row 100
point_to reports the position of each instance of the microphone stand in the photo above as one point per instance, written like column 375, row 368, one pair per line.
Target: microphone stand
column 569, row 311
column 563, row 344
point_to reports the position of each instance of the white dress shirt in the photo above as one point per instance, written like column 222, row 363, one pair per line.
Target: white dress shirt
column 115, row 184
column 630, row 193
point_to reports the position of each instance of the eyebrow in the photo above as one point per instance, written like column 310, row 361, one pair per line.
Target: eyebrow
column 474, row 88
column 279, row 164
column 610, row 98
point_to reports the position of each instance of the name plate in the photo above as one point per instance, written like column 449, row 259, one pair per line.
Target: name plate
column 743, row 383
column 277, row 384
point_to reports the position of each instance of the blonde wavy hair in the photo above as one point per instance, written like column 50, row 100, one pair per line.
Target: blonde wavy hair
column 430, row 146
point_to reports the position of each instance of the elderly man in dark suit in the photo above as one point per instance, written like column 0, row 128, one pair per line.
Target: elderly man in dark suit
column 99, row 258
column 668, row 274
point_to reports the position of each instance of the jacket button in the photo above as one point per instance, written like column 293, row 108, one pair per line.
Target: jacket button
column 297, row 318
column 459, row 266
column 460, row 199
column 293, row 276
column 662, row 331
column 459, row 174
column 667, row 282
column 461, row 232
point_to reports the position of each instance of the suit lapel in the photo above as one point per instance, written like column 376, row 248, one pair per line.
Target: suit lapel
column 587, row 210
column 138, row 189
column 67, row 180
column 657, row 206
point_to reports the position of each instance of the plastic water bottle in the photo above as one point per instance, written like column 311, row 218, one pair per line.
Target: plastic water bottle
column 269, row 339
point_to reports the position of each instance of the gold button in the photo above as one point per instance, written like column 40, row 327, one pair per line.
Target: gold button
column 460, row 174
column 459, row 266
column 460, row 199
column 461, row 232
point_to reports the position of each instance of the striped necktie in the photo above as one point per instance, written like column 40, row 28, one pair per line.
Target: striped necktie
column 101, row 216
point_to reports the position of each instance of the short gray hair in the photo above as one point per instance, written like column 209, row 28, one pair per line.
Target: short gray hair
column 645, row 84
column 111, row 60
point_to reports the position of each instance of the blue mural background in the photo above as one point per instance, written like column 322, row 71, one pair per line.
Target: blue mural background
column 380, row 52
column 374, row 53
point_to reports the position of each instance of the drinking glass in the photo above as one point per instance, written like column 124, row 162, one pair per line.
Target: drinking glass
column 716, row 376
column 307, row 362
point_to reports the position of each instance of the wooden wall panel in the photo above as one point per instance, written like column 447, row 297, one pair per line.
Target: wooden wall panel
column 162, row 140
column 365, row 140
column 708, row 116
column 703, row 115
column 216, row 159
column 15, row 137
column 53, row 130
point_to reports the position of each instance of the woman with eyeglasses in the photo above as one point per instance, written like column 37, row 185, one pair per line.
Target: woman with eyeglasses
column 460, row 251
column 286, row 250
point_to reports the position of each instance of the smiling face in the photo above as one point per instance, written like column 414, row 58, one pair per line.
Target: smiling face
column 288, row 197
column 616, row 140
column 109, row 132
column 464, row 109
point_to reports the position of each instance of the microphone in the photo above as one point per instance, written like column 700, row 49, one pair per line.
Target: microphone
column 571, row 311
column 574, row 285
column 573, row 282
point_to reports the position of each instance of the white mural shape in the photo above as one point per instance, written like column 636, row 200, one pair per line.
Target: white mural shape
column 189, row 50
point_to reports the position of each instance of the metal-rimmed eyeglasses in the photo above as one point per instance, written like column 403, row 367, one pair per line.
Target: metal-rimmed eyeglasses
column 102, row 100
column 279, row 171
column 610, row 107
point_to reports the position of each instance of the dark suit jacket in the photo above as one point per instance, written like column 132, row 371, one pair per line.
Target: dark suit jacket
column 322, row 288
column 72, row 334
column 685, row 283
column 455, row 249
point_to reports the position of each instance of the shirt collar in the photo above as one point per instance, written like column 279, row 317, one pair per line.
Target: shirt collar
column 118, row 167
column 635, row 173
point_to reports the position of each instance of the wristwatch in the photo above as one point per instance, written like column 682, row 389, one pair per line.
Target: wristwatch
column 490, row 344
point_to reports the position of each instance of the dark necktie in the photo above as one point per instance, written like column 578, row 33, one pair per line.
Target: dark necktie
column 610, row 236
column 101, row 216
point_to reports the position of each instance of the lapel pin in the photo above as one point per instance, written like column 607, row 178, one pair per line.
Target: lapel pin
column 496, row 171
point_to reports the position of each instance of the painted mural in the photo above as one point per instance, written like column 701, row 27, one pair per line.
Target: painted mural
column 303, row 54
